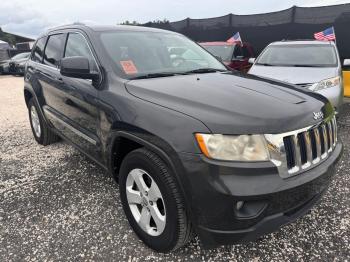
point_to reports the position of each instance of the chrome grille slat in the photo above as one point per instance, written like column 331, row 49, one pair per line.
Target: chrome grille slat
column 330, row 130
column 318, row 145
column 297, row 157
column 308, row 147
column 296, row 151
column 335, row 130
column 325, row 138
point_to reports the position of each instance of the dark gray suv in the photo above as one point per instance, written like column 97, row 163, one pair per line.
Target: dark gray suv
column 195, row 148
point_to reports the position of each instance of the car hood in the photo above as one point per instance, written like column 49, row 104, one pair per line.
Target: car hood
column 4, row 62
column 233, row 103
column 294, row 75
column 17, row 61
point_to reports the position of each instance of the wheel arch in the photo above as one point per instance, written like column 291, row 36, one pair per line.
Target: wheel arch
column 171, row 160
column 27, row 95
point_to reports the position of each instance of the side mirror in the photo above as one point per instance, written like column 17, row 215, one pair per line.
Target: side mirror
column 346, row 63
column 251, row 60
column 78, row 67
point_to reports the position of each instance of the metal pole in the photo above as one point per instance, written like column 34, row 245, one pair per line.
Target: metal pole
column 335, row 37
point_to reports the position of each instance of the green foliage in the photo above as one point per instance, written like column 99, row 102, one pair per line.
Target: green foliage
column 127, row 22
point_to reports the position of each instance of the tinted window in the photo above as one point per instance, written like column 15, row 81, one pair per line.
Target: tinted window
column 238, row 51
column 77, row 46
column 246, row 52
column 54, row 50
column 39, row 50
column 299, row 55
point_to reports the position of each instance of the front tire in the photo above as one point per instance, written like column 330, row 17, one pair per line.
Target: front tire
column 41, row 132
column 152, row 202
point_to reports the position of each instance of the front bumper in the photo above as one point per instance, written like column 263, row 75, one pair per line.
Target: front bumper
column 269, row 201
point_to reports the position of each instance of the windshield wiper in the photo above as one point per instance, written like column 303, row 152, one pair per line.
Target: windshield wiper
column 153, row 75
column 204, row 70
column 266, row 64
column 306, row 65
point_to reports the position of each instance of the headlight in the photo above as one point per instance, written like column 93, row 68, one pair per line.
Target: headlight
column 334, row 81
column 233, row 148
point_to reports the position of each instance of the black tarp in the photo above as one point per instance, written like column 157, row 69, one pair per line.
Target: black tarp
column 262, row 29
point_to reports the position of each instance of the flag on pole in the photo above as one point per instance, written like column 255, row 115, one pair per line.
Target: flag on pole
column 236, row 38
column 326, row 35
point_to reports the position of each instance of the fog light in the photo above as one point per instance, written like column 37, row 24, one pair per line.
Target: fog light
column 249, row 209
column 239, row 205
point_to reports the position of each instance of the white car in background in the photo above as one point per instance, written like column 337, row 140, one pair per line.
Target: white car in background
column 311, row 64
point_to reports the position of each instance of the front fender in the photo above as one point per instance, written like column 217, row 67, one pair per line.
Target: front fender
column 165, row 152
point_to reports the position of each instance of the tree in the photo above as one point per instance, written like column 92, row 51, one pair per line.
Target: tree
column 127, row 22
column 163, row 24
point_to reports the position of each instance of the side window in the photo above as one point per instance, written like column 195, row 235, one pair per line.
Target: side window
column 54, row 50
column 238, row 51
column 77, row 46
column 246, row 52
column 38, row 51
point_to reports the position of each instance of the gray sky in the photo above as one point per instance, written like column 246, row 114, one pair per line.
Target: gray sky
column 31, row 17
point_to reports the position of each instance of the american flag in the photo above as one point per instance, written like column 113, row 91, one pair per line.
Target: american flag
column 236, row 38
column 326, row 35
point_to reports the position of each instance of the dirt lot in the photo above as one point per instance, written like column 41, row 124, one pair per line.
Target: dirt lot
column 55, row 204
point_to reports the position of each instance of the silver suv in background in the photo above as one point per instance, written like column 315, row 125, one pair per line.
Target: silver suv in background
column 310, row 64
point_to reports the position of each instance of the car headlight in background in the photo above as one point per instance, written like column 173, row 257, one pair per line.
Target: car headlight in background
column 334, row 81
column 233, row 147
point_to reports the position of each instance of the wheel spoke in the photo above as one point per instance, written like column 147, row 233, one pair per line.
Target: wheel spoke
column 145, row 219
column 154, row 192
column 158, row 218
column 138, row 178
column 133, row 196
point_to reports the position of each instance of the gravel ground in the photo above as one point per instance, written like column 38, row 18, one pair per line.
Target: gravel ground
column 57, row 205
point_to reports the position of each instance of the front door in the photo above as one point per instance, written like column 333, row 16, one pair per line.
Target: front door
column 71, row 102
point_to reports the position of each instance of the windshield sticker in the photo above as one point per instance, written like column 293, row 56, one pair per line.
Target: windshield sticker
column 129, row 67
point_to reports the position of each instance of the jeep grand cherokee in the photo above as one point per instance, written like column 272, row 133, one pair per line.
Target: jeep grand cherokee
column 195, row 148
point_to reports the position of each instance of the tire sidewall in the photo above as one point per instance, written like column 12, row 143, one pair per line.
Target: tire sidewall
column 168, row 239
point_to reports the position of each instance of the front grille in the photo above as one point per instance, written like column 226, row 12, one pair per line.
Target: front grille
column 307, row 148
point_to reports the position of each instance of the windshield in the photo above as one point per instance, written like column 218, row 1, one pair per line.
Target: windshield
column 136, row 53
column 299, row 55
column 20, row 56
column 225, row 52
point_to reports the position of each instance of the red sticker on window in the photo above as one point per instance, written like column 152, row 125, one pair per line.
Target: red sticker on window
column 129, row 67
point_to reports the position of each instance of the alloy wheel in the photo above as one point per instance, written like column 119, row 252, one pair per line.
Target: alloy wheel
column 146, row 202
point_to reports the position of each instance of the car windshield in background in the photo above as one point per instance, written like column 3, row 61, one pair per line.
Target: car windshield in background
column 224, row 52
column 20, row 56
column 153, row 54
column 299, row 55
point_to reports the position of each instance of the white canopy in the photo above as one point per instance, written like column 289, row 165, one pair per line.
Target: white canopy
column 4, row 45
